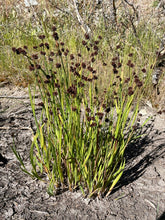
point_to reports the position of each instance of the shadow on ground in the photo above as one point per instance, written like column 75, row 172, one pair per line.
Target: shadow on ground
column 148, row 149
column 162, row 217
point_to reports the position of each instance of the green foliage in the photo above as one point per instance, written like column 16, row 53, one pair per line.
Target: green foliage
column 155, row 3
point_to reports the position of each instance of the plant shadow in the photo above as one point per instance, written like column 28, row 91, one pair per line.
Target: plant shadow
column 162, row 217
column 141, row 154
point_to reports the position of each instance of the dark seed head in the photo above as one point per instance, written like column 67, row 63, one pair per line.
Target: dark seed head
column 54, row 28
column 88, row 49
column 114, row 59
column 48, row 76
column 95, row 48
column 84, row 42
column 83, row 65
column 86, row 36
column 115, row 71
column 43, row 53
column 106, row 120
column 47, row 81
column 72, row 69
column 119, row 65
column 144, row 70
column 95, row 77
column 118, row 47
column 134, row 127
column 95, row 53
column 89, row 118
column 76, row 74
column 31, row 67
column 50, row 59
column 100, row 115
column 59, row 53
column 74, row 109
column 130, row 54
column 93, row 124
column 19, row 50
column 81, row 84
column 56, row 85
column 130, row 92
column 104, row 106
column 131, row 65
column 84, row 78
column 90, row 68
column 88, row 110
column 35, row 56
column 25, row 47
column 72, row 90
column 24, row 52
column 38, row 66
column 127, row 80
column 47, row 45
column 41, row 104
column 55, row 93
column 72, row 57
column 41, row 45
column 114, row 64
column 55, row 36
column 58, row 65
column 77, row 64
column 139, row 84
column 14, row 49
column 107, row 110
column 41, row 37
column 130, row 88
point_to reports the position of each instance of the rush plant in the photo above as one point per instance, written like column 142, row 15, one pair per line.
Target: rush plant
column 82, row 133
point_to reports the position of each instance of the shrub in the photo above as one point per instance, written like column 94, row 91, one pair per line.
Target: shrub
column 82, row 133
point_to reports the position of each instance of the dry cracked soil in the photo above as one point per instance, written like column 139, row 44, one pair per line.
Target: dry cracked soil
column 140, row 194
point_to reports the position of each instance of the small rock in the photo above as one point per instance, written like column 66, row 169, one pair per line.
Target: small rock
column 9, row 212
column 161, row 183
column 29, row 3
column 143, row 112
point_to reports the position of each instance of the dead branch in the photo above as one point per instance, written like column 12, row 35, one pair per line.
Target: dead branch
column 15, row 97
column 84, row 26
column 133, row 7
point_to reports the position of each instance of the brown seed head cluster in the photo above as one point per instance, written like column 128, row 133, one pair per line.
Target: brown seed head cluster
column 130, row 64
column 72, row 90
column 130, row 91
column 19, row 50
column 55, row 36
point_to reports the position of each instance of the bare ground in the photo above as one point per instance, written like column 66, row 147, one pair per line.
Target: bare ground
column 139, row 195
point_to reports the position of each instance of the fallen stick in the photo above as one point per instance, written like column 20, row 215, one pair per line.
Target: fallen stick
column 15, row 97
column 21, row 128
